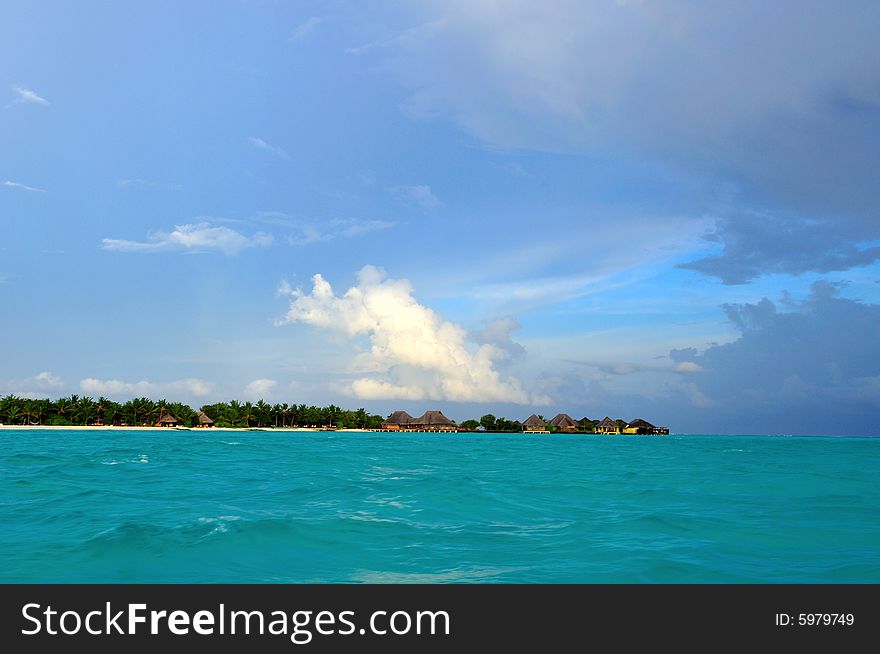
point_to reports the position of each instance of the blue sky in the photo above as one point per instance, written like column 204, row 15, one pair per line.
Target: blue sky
column 662, row 209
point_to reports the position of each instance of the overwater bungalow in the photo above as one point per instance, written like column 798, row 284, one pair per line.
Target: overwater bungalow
column 640, row 426
column 167, row 420
column 564, row 422
column 607, row 426
column 397, row 421
column 534, row 425
column 204, row 420
column 431, row 421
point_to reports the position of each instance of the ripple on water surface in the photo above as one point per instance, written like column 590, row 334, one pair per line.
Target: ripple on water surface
column 372, row 507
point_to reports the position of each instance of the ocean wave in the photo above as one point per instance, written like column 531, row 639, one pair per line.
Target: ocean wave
column 450, row 576
column 219, row 523
column 140, row 459
column 182, row 507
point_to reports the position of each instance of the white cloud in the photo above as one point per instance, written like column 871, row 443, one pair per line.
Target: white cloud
column 306, row 233
column 497, row 333
column 49, row 381
column 23, row 187
column 529, row 274
column 263, row 145
column 37, row 387
column 194, row 387
column 259, row 389
column 284, row 288
column 688, row 367
column 26, row 96
column 407, row 39
column 511, row 168
column 350, row 228
column 305, row 28
column 423, row 197
column 199, row 237
column 414, row 353
column 140, row 182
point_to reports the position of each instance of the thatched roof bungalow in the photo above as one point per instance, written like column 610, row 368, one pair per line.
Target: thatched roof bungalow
column 431, row 421
column 640, row 426
column 204, row 420
column 563, row 422
column 397, row 421
column 534, row 425
column 167, row 420
column 607, row 426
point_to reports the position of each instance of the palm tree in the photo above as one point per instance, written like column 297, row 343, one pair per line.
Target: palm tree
column 112, row 411
column 100, row 407
column 247, row 413
column 86, row 410
column 332, row 414
column 299, row 414
column 14, row 413
column 279, row 410
column 142, row 408
column 157, row 409
column 261, row 411
column 132, row 409
column 6, row 403
column 151, row 410
column 234, row 414
column 183, row 412
column 33, row 411
column 63, row 408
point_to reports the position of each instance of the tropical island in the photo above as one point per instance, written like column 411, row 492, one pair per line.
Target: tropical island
column 83, row 411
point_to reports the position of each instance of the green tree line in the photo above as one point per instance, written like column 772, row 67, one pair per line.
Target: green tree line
column 142, row 411
column 489, row 422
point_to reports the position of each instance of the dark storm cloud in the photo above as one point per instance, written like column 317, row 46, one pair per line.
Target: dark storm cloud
column 781, row 99
column 755, row 244
column 812, row 370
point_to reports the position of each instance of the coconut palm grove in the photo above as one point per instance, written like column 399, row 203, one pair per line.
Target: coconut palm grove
column 84, row 411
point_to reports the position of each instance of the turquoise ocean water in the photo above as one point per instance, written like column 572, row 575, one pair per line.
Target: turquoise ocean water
column 249, row 506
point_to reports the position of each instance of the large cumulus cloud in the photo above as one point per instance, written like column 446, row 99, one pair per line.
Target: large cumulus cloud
column 413, row 352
